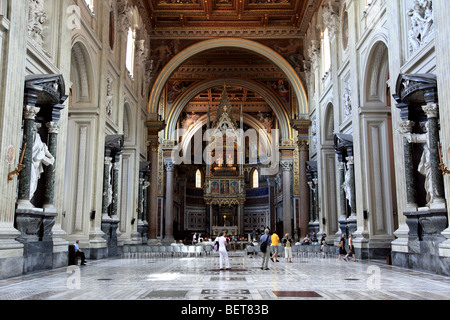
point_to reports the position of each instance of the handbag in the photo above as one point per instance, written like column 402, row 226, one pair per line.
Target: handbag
column 216, row 246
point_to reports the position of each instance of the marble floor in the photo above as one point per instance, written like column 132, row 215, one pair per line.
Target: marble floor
column 146, row 277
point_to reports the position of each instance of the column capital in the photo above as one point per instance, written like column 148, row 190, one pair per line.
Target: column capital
column 30, row 112
column 431, row 110
column 170, row 166
column 406, row 126
column 286, row 165
column 303, row 145
column 53, row 127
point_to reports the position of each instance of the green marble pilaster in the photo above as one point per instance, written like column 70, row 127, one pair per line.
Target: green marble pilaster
column 106, row 182
column 30, row 113
column 49, row 175
column 115, row 171
column 406, row 127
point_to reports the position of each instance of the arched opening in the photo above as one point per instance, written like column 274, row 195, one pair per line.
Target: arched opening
column 378, row 146
column 243, row 44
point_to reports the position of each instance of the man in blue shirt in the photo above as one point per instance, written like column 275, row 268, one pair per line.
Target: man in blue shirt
column 79, row 253
column 266, row 255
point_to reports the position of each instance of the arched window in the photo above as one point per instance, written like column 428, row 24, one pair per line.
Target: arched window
column 255, row 179
column 130, row 52
column 198, row 179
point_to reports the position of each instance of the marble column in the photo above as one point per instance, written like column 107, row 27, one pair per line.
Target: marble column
column 405, row 128
column 48, row 220
column 115, row 189
column 351, row 168
column 49, row 194
column 352, row 220
column 30, row 112
column 241, row 230
column 170, row 175
column 432, row 112
column 311, row 205
column 304, row 188
column 152, row 212
column 287, row 213
column 106, row 184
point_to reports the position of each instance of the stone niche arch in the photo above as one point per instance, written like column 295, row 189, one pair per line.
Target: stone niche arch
column 328, row 127
column 377, row 74
column 82, row 75
column 377, row 148
column 253, row 46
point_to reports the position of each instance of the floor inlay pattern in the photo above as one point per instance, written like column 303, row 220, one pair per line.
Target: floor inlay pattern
column 199, row 278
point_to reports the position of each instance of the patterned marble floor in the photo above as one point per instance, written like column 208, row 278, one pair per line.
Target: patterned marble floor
column 199, row 278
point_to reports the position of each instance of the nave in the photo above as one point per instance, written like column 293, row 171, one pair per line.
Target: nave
column 141, row 277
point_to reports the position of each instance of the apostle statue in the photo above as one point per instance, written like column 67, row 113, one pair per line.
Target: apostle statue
column 424, row 166
column 347, row 186
column 41, row 157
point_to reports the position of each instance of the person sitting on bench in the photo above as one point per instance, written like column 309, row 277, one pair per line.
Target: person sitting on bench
column 80, row 253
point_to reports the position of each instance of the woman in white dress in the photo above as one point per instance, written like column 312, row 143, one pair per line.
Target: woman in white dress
column 223, row 254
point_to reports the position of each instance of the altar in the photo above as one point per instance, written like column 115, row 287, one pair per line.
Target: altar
column 224, row 186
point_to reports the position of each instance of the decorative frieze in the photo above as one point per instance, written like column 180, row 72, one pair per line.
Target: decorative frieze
column 36, row 20
column 421, row 29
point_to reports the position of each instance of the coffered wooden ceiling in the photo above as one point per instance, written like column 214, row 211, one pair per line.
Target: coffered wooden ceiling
column 177, row 24
column 165, row 15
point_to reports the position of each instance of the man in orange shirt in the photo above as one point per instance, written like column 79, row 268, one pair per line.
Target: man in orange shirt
column 275, row 241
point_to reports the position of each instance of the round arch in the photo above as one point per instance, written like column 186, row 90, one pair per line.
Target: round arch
column 82, row 71
column 245, row 44
column 249, row 120
column 376, row 72
column 273, row 101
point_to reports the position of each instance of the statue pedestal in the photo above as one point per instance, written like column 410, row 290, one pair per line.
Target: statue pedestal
column 424, row 242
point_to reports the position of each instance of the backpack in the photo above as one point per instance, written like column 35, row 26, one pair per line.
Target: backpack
column 264, row 244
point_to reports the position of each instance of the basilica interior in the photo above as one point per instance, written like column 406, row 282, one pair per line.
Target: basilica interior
column 136, row 122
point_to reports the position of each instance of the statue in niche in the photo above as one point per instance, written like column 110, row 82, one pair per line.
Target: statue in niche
column 110, row 186
column 347, row 185
column 424, row 166
column 41, row 157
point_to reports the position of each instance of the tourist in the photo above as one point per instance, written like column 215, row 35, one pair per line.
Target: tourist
column 306, row 240
column 322, row 247
column 287, row 243
column 351, row 249
column 341, row 246
column 274, row 246
column 223, row 254
column 314, row 239
column 265, row 239
column 79, row 253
